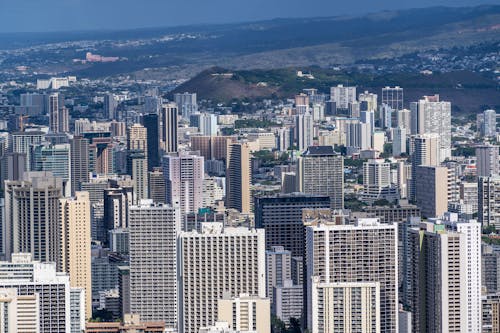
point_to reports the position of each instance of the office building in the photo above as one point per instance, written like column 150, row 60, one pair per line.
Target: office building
column 488, row 204
column 105, row 271
column 187, row 104
column 399, row 141
column 211, row 147
column 432, row 116
column 238, row 177
column 137, row 138
column 79, row 149
column 386, row 115
column 304, row 130
column 32, row 210
column 20, row 142
column 153, row 268
column 151, row 123
column 157, row 186
column 281, row 217
column 58, row 114
column 237, row 254
column 432, row 190
column 168, row 128
column 278, row 265
column 137, row 168
column 404, row 120
column 100, row 152
column 487, row 161
column 110, row 105
column 368, row 101
column 184, row 174
column 393, row 96
column 12, row 167
column 116, row 207
column 75, row 244
column 30, row 278
column 55, row 159
column 490, row 269
column 321, row 172
column 245, row 313
column 344, row 268
column 342, row 96
column 208, row 124
column 119, row 241
column 489, row 124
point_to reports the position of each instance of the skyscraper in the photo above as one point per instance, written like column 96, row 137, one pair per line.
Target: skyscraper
column 79, row 148
column 153, row 261
column 352, row 277
column 32, row 215
column 489, row 125
column 304, row 130
column 431, row 190
column 393, row 96
column 137, row 168
column 238, row 177
column 404, row 119
column 399, row 141
column 342, row 96
column 278, row 266
column 187, row 103
column 137, row 138
column 425, row 151
column 152, row 125
column 487, row 161
column 369, row 99
column 184, row 174
column 430, row 115
column 321, row 172
column 53, row 158
column 489, row 201
column 157, row 186
column 53, row 107
column 377, row 182
column 110, row 105
column 20, row 142
column 281, row 217
column 75, row 244
column 215, row 263
column 168, row 129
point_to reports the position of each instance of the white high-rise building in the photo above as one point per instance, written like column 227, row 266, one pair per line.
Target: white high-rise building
column 393, row 96
column 153, row 261
column 377, row 181
column 208, row 124
column 404, row 119
column 304, row 130
column 487, row 161
column 349, row 285
column 184, row 174
column 489, row 125
column 30, row 278
column 187, row 103
column 369, row 99
column 342, row 96
column 399, row 141
column 216, row 263
column 385, row 115
column 430, row 115
column 278, row 267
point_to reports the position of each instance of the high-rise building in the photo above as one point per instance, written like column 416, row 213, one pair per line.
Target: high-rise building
column 342, row 96
column 187, row 103
column 404, row 119
column 153, row 261
column 79, row 148
column 489, row 124
column 430, row 115
column 489, row 201
column 425, row 151
column 432, row 190
column 116, row 207
column 369, row 99
column 281, row 217
column 53, row 158
column 288, row 301
column 377, row 181
column 238, row 177
column 110, row 106
column 321, row 172
column 437, row 279
column 53, row 108
column 100, row 152
column 302, row 103
column 491, row 313
column 12, row 167
column 20, row 142
column 399, row 141
column 75, row 256
column 152, row 124
column 487, row 161
column 184, row 174
column 20, row 313
column 168, row 128
column 32, row 215
column 278, row 265
column 393, row 96
column 245, row 313
column 208, row 124
column 137, row 138
column 349, row 285
column 215, row 263
column 137, row 168
column 385, row 114
column 56, row 309
column 304, row 130
column 490, row 269
column 157, row 186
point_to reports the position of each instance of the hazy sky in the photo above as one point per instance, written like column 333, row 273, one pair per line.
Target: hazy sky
column 63, row 15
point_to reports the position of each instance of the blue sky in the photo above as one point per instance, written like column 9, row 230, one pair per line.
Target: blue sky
column 64, row 15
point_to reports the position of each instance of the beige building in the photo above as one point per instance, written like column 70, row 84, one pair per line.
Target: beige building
column 76, row 244
column 20, row 314
column 238, row 177
column 137, row 138
column 245, row 313
column 432, row 190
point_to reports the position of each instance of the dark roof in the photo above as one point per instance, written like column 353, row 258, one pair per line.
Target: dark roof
column 320, row 150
